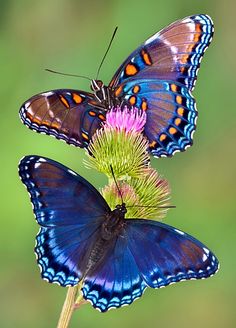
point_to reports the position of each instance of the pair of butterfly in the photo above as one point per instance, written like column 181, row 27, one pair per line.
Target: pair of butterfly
column 81, row 238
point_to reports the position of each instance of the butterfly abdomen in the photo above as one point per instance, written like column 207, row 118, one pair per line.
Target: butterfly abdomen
column 108, row 234
column 97, row 253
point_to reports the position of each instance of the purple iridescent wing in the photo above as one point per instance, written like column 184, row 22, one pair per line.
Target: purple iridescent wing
column 173, row 54
column 146, row 254
column 70, row 212
column 159, row 76
column 69, row 115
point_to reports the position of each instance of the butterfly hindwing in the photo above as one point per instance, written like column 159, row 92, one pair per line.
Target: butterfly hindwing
column 70, row 211
column 70, row 115
column 171, row 113
column 173, row 54
column 117, row 281
column 147, row 253
column 168, row 254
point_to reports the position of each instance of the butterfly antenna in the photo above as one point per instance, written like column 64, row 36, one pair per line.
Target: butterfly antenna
column 167, row 207
column 108, row 48
column 66, row 74
column 119, row 191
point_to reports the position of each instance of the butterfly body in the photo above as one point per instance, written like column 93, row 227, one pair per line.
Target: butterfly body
column 158, row 77
column 112, row 227
column 114, row 257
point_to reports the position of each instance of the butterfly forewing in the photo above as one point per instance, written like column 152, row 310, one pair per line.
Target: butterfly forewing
column 70, row 115
column 70, row 212
column 172, row 54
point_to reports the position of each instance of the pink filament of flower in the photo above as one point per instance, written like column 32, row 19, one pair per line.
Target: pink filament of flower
column 128, row 119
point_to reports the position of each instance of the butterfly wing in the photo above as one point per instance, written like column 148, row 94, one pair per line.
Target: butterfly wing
column 158, row 77
column 147, row 253
column 117, row 281
column 172, row 54
column 171, row 114
column 70, row 115
column 69, row 210
column 170, row 254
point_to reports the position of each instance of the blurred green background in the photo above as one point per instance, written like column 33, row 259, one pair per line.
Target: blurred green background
column 71, row 36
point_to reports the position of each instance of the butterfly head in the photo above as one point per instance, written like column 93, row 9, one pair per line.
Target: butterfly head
column 96, row 85
column 101, row 93
column 121, row 209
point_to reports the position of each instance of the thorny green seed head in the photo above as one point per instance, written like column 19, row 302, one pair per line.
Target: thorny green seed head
column 144, row 197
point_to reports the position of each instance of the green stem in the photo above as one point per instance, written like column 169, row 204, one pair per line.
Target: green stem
column 68, row 307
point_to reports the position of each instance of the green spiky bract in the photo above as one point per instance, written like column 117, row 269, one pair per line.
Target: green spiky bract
column 125, row 152
column 145, row 197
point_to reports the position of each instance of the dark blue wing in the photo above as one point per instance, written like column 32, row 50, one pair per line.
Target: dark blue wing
column 117, row 281
column 171, row 113
column 69, row 115
column 173, row 54
column 167, row 255
column 148, row 253
column 70, row 211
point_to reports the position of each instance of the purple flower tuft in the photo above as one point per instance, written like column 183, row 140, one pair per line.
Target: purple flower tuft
column 130, row 120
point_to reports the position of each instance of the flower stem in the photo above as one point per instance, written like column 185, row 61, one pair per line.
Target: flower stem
column 68, row 307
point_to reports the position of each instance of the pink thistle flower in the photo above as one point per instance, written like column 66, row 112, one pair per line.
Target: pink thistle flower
column 130, row 120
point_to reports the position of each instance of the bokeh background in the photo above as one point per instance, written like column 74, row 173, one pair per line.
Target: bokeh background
column 72, row 36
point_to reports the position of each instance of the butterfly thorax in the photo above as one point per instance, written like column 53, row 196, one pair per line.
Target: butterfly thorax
column 114, row 222
column 103, row 94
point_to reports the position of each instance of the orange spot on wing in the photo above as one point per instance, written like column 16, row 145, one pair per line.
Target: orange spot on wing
column 198, row 33
column 152, row 144
column 198, row 28
column 172, row 130
column 131, row 70
column 54, row 125
column 146, row 58
column 136, row 89
column 91, row 113
column 184, row 59
column 85, row 136
column 180, row 111
column 173, row 87
column 132, row 100
column 33, row 118
column 196, row 37
column 162, row 137
column 77, row 99
column 179, row 99
column 64, row 101
column 144, row 105
column 102, row 117
column 118, row 91
column 177, row 121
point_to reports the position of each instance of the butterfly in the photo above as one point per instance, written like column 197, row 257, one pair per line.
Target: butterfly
column 157, row 77
column 82, row 239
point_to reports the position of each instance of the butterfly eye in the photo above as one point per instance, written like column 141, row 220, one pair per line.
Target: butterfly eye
column 96, row 85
